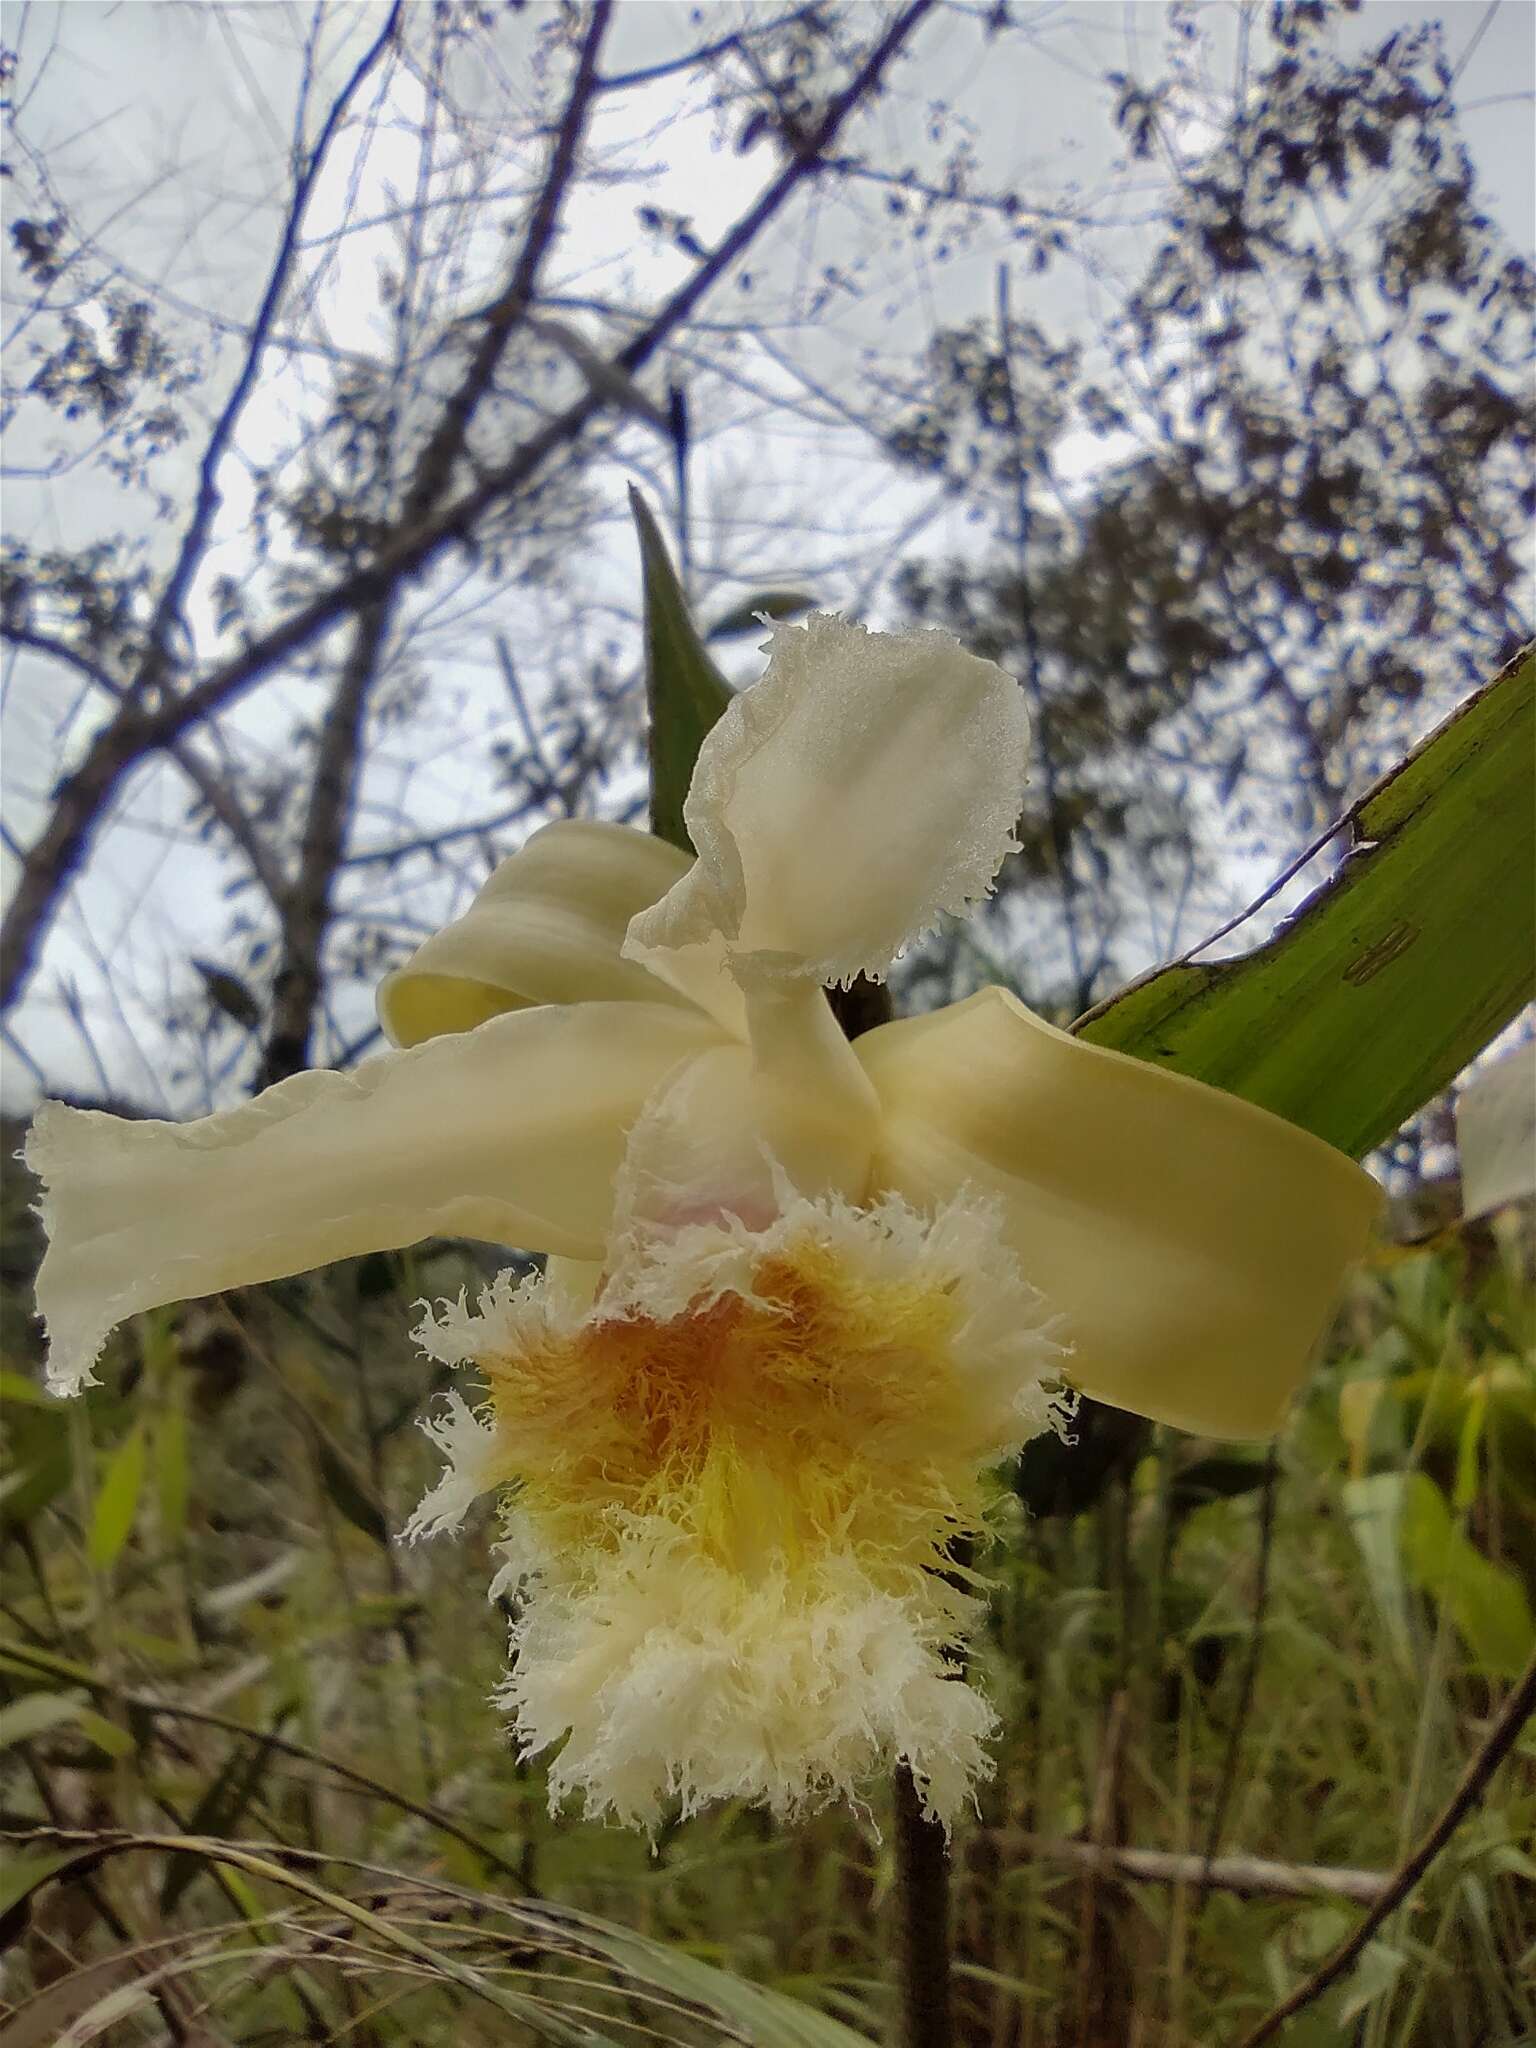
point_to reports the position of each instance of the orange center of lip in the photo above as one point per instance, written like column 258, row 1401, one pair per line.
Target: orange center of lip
column 770, row 1423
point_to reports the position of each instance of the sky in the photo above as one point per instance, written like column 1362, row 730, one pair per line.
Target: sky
column 165, row 129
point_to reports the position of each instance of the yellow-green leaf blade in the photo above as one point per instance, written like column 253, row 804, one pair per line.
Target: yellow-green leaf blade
column 117, row 1499
column 1396, row 972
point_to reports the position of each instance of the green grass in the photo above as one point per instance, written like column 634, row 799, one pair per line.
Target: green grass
column 206, row 1531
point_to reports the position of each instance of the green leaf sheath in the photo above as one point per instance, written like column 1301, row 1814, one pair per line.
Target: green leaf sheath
column 1399, row 969
column 685, row 692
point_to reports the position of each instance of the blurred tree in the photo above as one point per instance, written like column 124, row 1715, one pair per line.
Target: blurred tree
column 1303, row 533
column 351, row 451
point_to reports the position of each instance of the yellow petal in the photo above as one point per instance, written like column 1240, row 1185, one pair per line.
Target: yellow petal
column 1192, row 1243
column 867, row 783
column 545, row 928
column 513, row 1132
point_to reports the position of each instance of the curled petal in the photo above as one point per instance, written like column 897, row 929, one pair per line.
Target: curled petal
column 1192, row 1243
column 513, row 1132
column 869, row 782
column 545, row 928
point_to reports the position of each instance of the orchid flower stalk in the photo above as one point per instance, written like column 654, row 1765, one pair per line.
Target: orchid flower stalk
column 802, row 1293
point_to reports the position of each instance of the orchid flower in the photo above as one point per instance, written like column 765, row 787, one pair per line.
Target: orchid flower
column 803, row 1293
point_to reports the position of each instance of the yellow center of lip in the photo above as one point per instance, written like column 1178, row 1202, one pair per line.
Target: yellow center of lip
column 810, row 1410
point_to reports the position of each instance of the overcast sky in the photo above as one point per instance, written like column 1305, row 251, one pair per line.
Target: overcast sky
column 164, row 128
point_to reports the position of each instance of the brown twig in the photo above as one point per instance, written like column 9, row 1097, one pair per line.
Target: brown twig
column 1500, row 1740
column 306, row 907
column 85, row 796
column 1096, row 1961
column 920, row 1846
column 205, row 506
column 1248, row 1876
column 212, row 787
column 1058, row 835
column 434, row 472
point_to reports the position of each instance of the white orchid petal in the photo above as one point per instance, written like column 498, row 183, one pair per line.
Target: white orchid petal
column 573, row 1283
column 868, row 783
column 1192, row 1243
column 472, row 1466
column 546, row 927
column 735, row 1125
column 513, row 1132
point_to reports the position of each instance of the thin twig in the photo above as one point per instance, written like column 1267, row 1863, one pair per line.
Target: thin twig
column 195, row 539
column 920, row 1846
column 1500, row 1740
column 1095, row 1973
column 434, row 472
column 306, row 908
column 212, row 787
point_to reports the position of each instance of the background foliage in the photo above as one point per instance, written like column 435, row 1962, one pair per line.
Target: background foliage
column 207, row 1629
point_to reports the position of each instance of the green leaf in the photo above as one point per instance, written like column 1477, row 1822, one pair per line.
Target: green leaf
column 1372, row 1506
column 1409, row 1536
column 1486, row 1602
column 117, row 1499
column 1399, row 969
column 685, row 692
column 747, row 616
column 1372, row 1977
column 38, row 1461
column 15, row 1386
column 348, row 1494
column 172, row 1475
column 219, row 1808
column 23, row 1873
column 31, row 1657
column 765, row 2018
column 35, row 1713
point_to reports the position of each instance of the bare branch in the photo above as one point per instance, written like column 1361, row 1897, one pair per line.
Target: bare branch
column 205, row 507
column 307, row 906
column 211, row 787
column 1254, row 1877
column 85, row 796
column 307, row 910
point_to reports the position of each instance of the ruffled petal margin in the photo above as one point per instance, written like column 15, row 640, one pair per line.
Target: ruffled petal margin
column 867, row 784
column 667, row 1677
